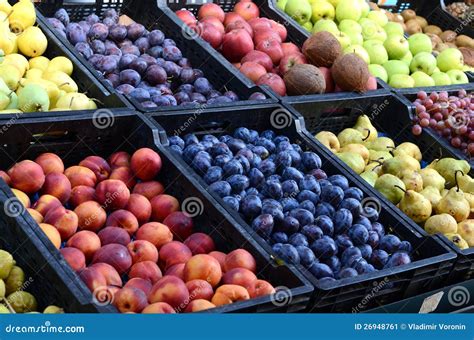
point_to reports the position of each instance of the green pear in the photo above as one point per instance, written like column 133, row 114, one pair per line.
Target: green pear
column 329, row 140
column 454, row 204
column 4, row 309
column 15, row 280
column 353, row 160
column 465, row 182
column 442, row 223
column 410, row 149
column 415, row 206
column 389, row 185
column 432, row 194
column 281, row 4
column 400, row 163
column 13, row 101
column 447, row 168
column 413, row 180
column 370, row 177
column 53, row 310
column 22, row 302
column 4, row 101
column 350, row 136
column 381, row 144
column 357, row 148
column 3, row 86
column 2, row 289
column 374, row 166
column 33, row 98
column 6, row 264
column 432, row 178
column 457, row 240
column 300, row 10
column 379, row 155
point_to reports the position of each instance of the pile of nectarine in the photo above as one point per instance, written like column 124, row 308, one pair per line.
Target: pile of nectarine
column 124, row 236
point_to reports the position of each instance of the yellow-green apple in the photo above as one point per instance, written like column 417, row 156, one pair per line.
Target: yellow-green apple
column 401, row 81
column 299, row 10
column 360, row 51
column 396, row 67
column 348, row 9
column 422, row 79
column 393, row 28
column 321, row 9
column 378, row 17
column 377, row 52
column 407, row 58
column 396, row 46
column 378, row 71
column 441, row 79
column 325, row 25
column 424, row 62
column 420, row 42
column 350, row 26
column 343, row 39
column 457, row 77
column 450, row 59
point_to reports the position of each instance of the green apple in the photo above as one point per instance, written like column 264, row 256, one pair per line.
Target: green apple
column 380, row 34
column 407, row 58
column 436, row 70
column 450, row 59
column 325, row 25
column 281, row 4
column 401, row 81
column 441, row 79
column 422, row 79
column 424, row 62
column 377, row 52
column 348, row 9
column 457, row 77
column 334, row 2
column 378, row 17
column 420, row 42
column 365, row 8
column 344, row 40
column 378, row 71
column 307, row 26
column 394, row 67
column 322, row 10
column 356, row 38
column 393, row 28
column 350, row 26
column 369, row 28
column 359, row 50
column 396, row 46
column 300, row 10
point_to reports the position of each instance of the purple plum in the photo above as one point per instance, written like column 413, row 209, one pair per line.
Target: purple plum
column 130, row 77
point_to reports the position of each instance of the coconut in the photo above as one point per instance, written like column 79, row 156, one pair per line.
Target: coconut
column 351, row 73
column 468, row 55
column 321, row 49
column 304, row 79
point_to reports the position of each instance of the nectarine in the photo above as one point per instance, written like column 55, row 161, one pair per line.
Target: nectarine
column 145, row 164
column 112, row 194
column 200, row 243
column 203, row 267
column 162, row 206
column 199, row 289
column 86, row 241
column 50, row 163
column 171, row 290
column 74, row 257
column 147, row 270
column 158, row 308
column 149, row 189
column 173, row 253
column 227, row 294
column 111, row 276
column 52, row 233
column 114, row 235
column 81, row 194
column 98, row 166
column 125, row 175
column 156, row 233
column 80, row 175
column 139, row 283
column 142, row 250
column 240, row 258
column 199, row 305
column 180, row 224
column 57, row 185
column 123, row 219
column 119, row 159
column 27, row 176
column 114, row 254
column 139, row 206
column 91, row 216
column 130, row 300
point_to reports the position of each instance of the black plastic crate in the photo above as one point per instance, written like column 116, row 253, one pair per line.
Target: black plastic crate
column 77, row 136
column 465, row 26
column 85, row 80
column 414, row 90
column 433, row 260
column 296, row 35
column 148, row 14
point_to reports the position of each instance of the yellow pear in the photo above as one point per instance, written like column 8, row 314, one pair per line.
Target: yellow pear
column 34, row 74
column 457, row 240
column 350, row 136
column 466, row 183
column 364, row 126
column 374, row 166
column 466, row 230
column 92, row 105
column 329, row 140
column 415, row 206
column 410, row 149
column 22, row 16
column 40, row 62
column 32, row 42
column 431, row 177
column 398, row 164
column 379, row 155
column 353, row 160
column 454, row 204
column 442, row 223
column 470, row 198
column 412, row 180
column 11, row 75
column 62, row 80
column 62, row 64
column 357, row 148
column 73, row 101
column 432, row 194
column 449, row 167
column 17, row 60
column 370, row 177
column 5, row 7
column 7, row 42
column 380, row 144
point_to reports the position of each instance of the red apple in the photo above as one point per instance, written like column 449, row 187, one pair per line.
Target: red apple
column 259, row 57
column 289, row 48
column 274, row 81
column 239, row 24
column 236, row 44
column 288, row 61
column 210, row 33
column 259, row 24
column 231, row 17
column 214, row 22
column 247, row 10
column 272, row 47
column 280, row 29
column 328, row 77
column 265, row 34
column 186, row 16
column 237, row 65
column 253, row 70
column 372, row 84
column 211, row 10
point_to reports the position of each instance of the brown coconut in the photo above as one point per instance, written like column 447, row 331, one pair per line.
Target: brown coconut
column 468, row 54
column 304, row 79
column 350, row 73
column 321, row 49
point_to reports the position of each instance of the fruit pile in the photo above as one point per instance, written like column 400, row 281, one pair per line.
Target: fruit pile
column 127, row 240
column 460, row 9
column 13, row 296
column 449, row 116
column 400, row 62
column 140, row 63
column 310, row 219
column 36, row 84
column 439, row 197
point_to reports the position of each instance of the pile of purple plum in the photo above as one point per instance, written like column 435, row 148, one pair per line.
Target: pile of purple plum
column 139, row 63
column 310, row 219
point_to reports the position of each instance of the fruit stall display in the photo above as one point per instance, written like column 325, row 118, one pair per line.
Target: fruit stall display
column 402, row 62
column 132, row 225
column 271, row 51
column 303, row 207
column 416, row 173
column 38, row 75
column 152, row 62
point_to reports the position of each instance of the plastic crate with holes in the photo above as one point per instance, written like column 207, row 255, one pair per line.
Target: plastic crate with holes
column 391, row 116
column 195, row 55
column 85, row 80
column 294, row 32
column 73, row 139
column 432, row 261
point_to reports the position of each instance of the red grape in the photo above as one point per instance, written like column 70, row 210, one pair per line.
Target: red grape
column 416, row 130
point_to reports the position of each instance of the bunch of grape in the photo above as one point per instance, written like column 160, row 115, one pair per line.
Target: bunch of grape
column 451, row 117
